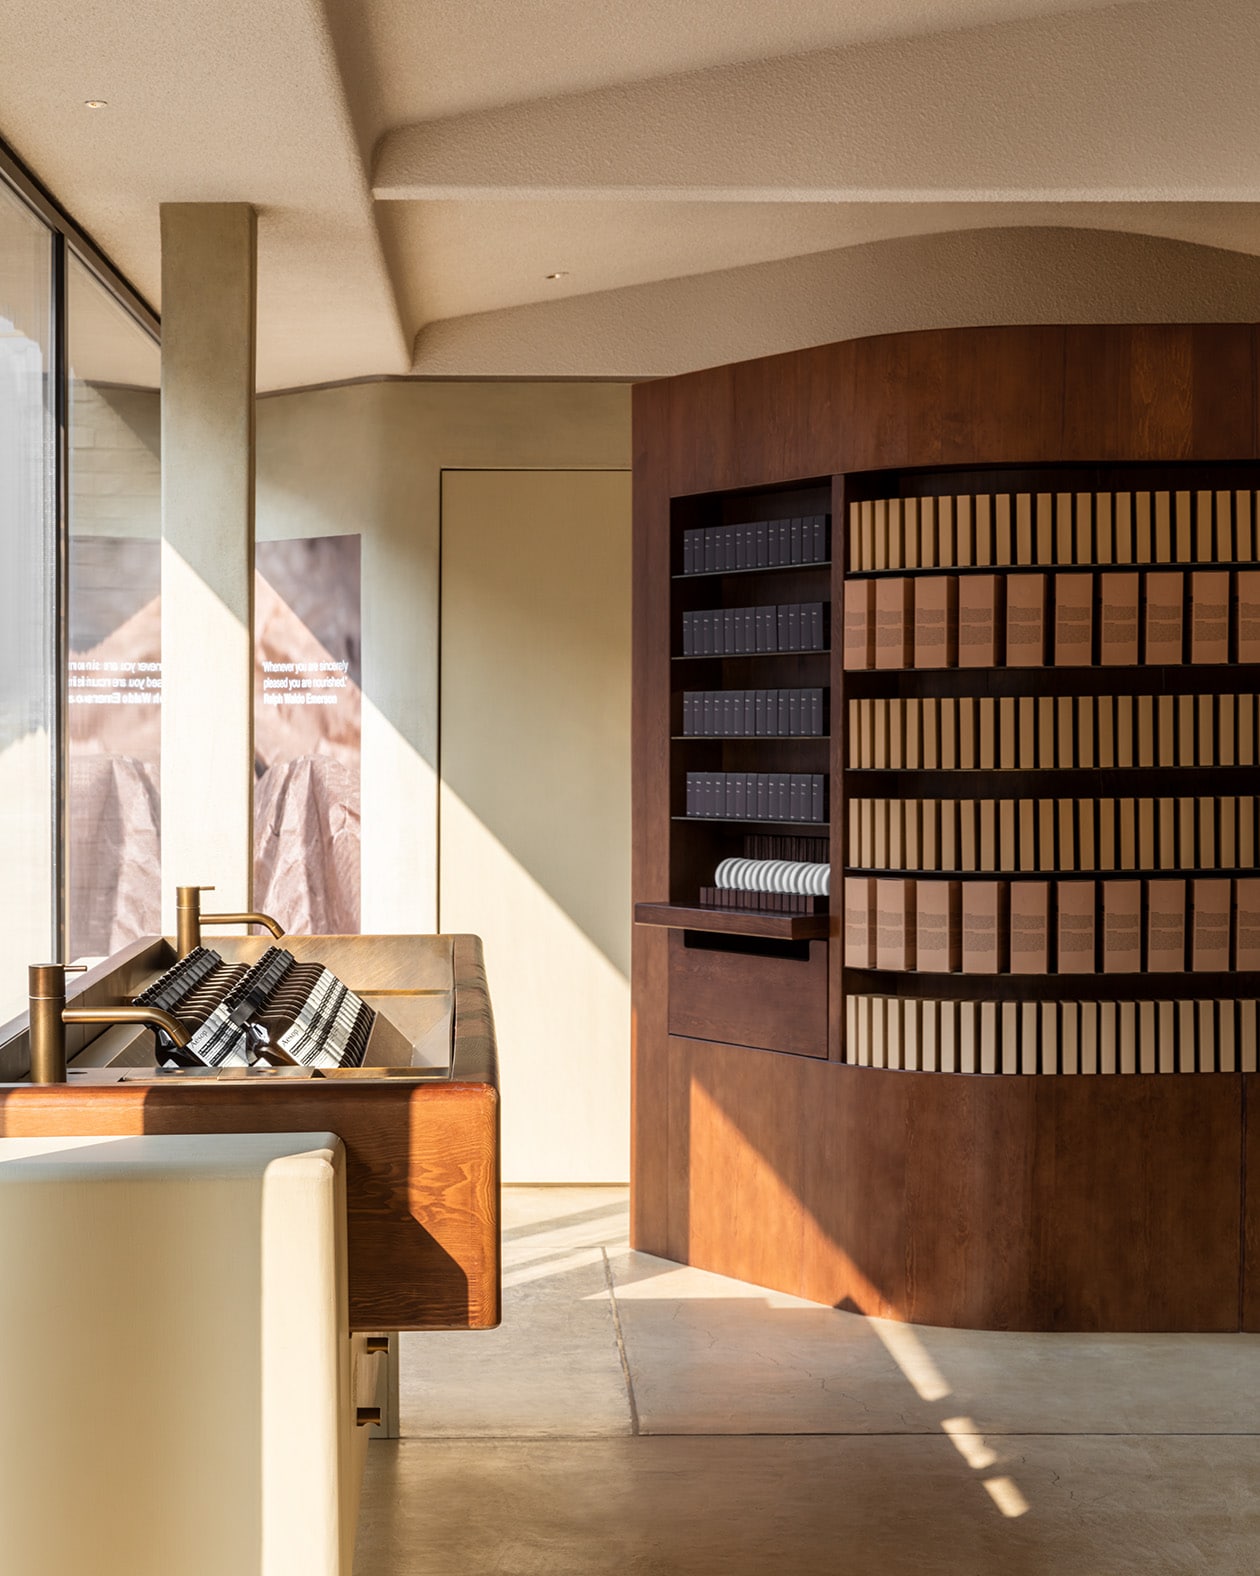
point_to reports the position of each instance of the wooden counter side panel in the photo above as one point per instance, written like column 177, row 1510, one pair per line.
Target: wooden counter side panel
column 1250, row 1289
column 974, row 1202
column 412, row 1154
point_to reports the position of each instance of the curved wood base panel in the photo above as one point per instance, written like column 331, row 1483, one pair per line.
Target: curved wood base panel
column 1102, row 1203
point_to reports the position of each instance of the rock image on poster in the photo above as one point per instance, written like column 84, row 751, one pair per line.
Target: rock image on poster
column 307, row 718
column 114, row 725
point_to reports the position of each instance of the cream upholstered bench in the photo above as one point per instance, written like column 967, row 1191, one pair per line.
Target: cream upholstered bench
column 177, row 1378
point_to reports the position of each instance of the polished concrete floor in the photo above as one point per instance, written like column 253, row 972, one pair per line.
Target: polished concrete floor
column 635, row 1417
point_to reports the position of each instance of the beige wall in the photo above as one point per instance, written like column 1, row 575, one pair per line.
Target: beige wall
column 370, row 459
column 535, row 798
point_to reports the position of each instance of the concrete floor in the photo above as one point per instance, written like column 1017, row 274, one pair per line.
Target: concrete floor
column 638, row 1418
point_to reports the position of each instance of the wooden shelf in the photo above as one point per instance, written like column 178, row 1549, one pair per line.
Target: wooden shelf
column 734, row 921
column 747, row 738
column 1235, row 985
column 1050, row 782
column 743, row 820
column 1179, row 873
column 766, row 569
column 747, row 656
column 1185, row 566
column 1207, row 678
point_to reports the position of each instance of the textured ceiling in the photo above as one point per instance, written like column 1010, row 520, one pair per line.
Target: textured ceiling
column 447, row 57
column 420, row 167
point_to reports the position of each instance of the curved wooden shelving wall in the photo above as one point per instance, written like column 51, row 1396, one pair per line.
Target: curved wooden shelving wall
column 1111, row 1202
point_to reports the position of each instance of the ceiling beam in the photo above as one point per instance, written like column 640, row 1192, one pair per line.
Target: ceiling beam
column 1151, row 102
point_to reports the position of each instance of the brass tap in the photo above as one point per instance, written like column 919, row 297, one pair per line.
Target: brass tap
column 189, row 919
column 49, row 1016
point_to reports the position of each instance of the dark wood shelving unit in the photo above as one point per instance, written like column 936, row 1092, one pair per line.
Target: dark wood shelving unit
column 1115, row 1199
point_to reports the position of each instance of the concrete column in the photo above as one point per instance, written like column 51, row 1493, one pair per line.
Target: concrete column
column 209, row 253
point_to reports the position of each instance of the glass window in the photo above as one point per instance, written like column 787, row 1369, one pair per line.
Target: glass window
column 114, row 678
column 28, row 645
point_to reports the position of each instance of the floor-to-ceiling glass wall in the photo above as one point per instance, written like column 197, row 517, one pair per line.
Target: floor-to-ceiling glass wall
column 28, row 576
column 114, row 680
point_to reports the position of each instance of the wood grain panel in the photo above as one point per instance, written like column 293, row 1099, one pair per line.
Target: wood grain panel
column 422, row 1175
column 774, row 1003
column 1171, row 391
column 917, row 1196
column 701, row 452
column 745, row 1183
column 649, row 877
column 1136, row 1186
column 1249, row 1292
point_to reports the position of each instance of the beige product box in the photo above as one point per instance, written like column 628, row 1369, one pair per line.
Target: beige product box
column 1249, row 615
column 1209, row 615
column 946, row 553
column 1027, row 732
column 1147, row 1037
column 1161, row 509
column 859, row 922
column 930, row 1036
column 936, row 621
column 1063, row 553
column 1073, row 620
column 1108, row 1037
column 857, row 536
column 1118, row 620
column 977, row 621
column 1247, row 925
column 1026, row 621
column 1008, row 736
column 938, row 945
column 1211, row 902
column 948, row 1032
column 1030, row 927
column 1008, row 1036
column 982, row 505
column 911, row 540
column 859, row 624
column 894, row 622
column 1183, row 521
column 1204, row 544
column 1024, row 529
column 1069, row 1037
column 1166, row 927
column 1045, row 529
column 1227, row 730
column 964, row 534
column 1105, row 728
column 1143, row 536
column 1122, row 528
column 1104, row 539
column 1244, row 528
column 1122, row 927
column 984, row 927
column 1224, row 550
column 1089, row 1036
column 1075, row 902
column 1164, row 613
column 986, row 837
column 1003, row 529
column 896, row 536
column 1226, row 1037
column 894, row 924
column 1028, row 835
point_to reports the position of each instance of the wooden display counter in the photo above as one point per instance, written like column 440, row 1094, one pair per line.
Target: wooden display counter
column 420, row 1120
column 1042, row 1120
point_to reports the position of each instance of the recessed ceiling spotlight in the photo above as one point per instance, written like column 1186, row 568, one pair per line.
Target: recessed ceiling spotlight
column 95, row 103
column 562, row 273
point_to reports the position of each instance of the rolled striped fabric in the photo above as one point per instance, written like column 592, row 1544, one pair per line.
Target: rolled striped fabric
column 774, row 875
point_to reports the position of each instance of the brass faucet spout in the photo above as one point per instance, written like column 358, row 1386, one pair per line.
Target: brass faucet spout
column 273, row 925
column 49, row 1016
column 189, row 919
column 155, row 1017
